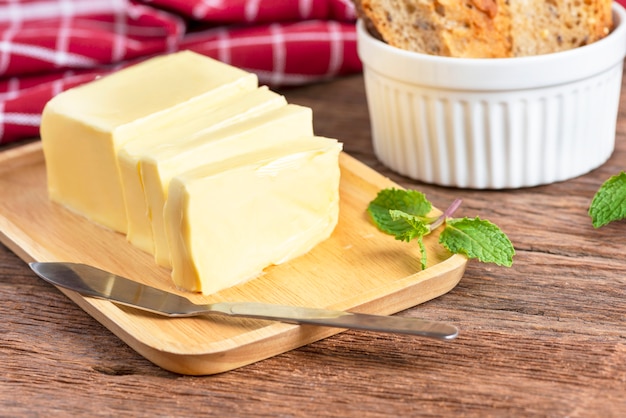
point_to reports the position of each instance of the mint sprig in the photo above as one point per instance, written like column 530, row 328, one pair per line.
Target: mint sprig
column 609, row 203
column 405, row 215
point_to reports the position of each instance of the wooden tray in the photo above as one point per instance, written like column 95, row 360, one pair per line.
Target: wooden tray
column 358, row 269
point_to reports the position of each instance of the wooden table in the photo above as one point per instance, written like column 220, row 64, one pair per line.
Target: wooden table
column 546, row 337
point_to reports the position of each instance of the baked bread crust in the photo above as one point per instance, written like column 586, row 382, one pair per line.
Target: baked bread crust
column 542, row 27
column 487, row 28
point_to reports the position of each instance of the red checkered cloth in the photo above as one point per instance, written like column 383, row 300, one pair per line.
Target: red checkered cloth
column 47, row 46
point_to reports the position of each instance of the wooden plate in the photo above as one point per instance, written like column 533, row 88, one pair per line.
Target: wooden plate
column 358, row 269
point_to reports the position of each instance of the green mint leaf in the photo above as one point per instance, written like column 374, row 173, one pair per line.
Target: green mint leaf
column 414, row 227
column 609, row 202
column 477, row 238
column 418, row 228
column 410, row 202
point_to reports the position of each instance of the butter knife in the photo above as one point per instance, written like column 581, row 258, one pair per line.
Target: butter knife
column 91, row 281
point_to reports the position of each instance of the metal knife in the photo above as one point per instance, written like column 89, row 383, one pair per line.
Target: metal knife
column 91, row 281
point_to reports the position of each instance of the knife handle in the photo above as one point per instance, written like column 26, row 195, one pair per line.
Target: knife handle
column 339, row 319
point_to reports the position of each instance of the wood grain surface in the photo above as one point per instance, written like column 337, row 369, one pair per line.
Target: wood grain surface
column 546, row 337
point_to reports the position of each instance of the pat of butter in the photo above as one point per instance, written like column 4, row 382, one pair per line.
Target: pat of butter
column 227, row 222
column 161, row 163
column 188, row 123
column 83, row 128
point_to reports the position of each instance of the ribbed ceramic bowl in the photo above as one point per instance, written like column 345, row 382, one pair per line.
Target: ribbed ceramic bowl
column 494, row 123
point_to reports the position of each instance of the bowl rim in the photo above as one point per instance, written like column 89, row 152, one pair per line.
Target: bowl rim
column 495, row 73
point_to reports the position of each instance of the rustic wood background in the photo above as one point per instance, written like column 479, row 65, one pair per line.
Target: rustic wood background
column 546, row 337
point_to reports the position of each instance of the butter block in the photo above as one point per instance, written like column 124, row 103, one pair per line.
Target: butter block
column 227, row 222
column 187, row 123
column 161, row 163
column 83, row 128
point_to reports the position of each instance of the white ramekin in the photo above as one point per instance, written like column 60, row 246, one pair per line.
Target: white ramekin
column 494, row 123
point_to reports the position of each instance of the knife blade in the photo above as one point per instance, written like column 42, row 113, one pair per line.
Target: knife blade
column 91, row 281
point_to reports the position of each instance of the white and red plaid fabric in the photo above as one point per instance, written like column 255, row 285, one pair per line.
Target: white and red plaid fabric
column 47, row 46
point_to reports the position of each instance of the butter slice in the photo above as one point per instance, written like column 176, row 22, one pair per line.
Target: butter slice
column 226, row 222
column 83, row 128
column 160, row 164
column 190, row 122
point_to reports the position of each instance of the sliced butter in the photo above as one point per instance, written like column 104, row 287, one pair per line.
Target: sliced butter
column 83, row 128
column 187, row 123
column 161, row 163
column 228, row 221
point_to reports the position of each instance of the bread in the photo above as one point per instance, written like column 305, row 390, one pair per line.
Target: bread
column 486, row 28
column 557, row 25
